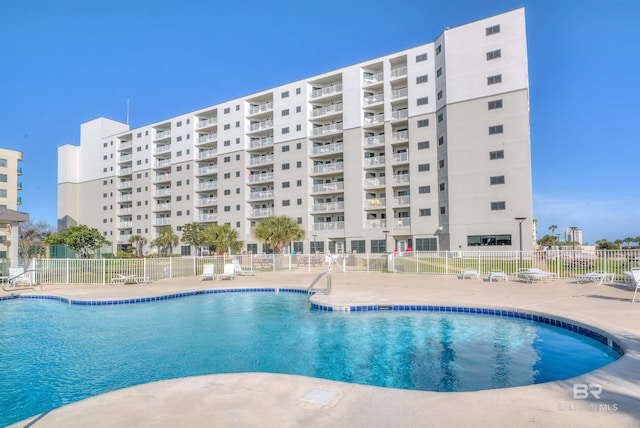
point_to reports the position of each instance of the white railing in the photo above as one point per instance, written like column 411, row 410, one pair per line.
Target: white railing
column 373, row 99
column 375, row 203
column 259, row 126
column 374, row 161
column 399, row 114
column 208, row 138
column 320, row 227
column 261, row 212
column 380, row 223
column 401, row 223
column 162, row 134
column 207, row 201
column 401, row 200
column 259, row 178
column 398, row 72
column 263, row 194
column 125, row 184
column 372, row 79
column 204, row 154
column 124, row 145
column 326, row 129
column 321, row 111
column 257, row 143
column 161, row 177
column 328, row 168
column 375, row 182
column 125, row 225
column 401, row 179
column 336, row 186
column 328, row 206
column 207, row 122
column 328, row 148
column 400, row 136
column 207, row 170
column 162, row 192
column 125, row 171
column 261, row 108
column 207, row 185
column 162, row 207
column 399, row 93
column 163, row 163
column 378, row 140
column 161, row 149
column 124, row 198
column 162, row 221
column 329, row 90
column 401, row 157
column 125, row 211
column 125, row 158
column 261, row 160
column 374, row 120
column 206, row 217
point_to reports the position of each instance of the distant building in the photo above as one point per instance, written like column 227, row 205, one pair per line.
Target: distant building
column 427, row 148
column 10, row 186
column 571, row 235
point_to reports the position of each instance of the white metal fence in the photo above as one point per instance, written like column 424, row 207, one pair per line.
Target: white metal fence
column 565, row 264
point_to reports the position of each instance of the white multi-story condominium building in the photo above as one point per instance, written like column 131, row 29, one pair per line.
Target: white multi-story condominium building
column 10, row 185
column 573, row 234
column 426, row 148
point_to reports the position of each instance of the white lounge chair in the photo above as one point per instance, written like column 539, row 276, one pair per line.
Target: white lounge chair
column 240, row 271
column 207, row 272
column 18, row 277
column 469, row 273
column 123, row 279
column 597, row 276
column 498, row 275
column 229, row 272
column 633, row 278
column 531, row 275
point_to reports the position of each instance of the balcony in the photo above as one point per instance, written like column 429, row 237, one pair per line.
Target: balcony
column 261, row 160
column 124, row 238
column 401, row 179
column 327, row 226
column 124, row 145
column 207, row 170
column 261, row 195
column 162, row 207
column 261, row 212
column 401, row 201
column 400, row 115
column 163, row 163
column 375, row 204
column 328, row 168
column 158, row 150
column 337, row 186
column 125, row 211
column 205, row 202
column 162, row 192
column 400, row 136
column 261, row 178
column 206, row 185
column 125, row 158
column 258, row 143
column 328, row 149
column 326, row 110
column 399, row 72
column 207, row 154
column 207, row 138
column 19, row 170
column 401, row 223
column 207, row 217
column 127, row 184
column 373, row 99
column 261, row 108
column 161, row 178
column 377, row 119
column 378, row 223
column 125, row 225
column 378, row 140
column 326, row 91
column 208, row 122
column 19, row 185
column 19, row 200
column 328, row 207
column 375, row 182
column 125, row 171
column 399, row 93
column 124, row 198
column 401, row 157
column 326, row 129
column 162, row 135
column 162, row 221
column 373, row 79
column 261, row 126
column 374, row 161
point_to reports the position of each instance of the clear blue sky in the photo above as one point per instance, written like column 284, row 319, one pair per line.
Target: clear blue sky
column 66, row 62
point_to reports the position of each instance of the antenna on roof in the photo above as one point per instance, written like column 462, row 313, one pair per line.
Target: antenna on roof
column 127, row 111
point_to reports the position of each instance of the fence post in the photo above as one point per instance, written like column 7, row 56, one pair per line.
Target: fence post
column 446, row 262
column 104, row 271
column 604, row 251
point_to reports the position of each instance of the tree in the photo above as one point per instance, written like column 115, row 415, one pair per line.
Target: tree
column 553, row 228
column 548, row 240
column 80, row 239
column 138, row 242
column 223, row 238
column 31, row 238
column 277, row 231
column 166, row 240
column 637, row 239
column 603, row 244
column 193, row 234
column 618, row 242
column 628, row 241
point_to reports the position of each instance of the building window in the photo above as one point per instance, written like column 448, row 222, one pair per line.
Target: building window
column 478, row 240
column 298, row 127
column 440, row 117
column 440, row 95
column 498, row 179
column 285, row 94
column 423, row 101
column 423, row 123
column 439, row 72
column 423, row 145
column 441, row 163
column 494, row 54
column 493, row 30
column 358, row 246
column 298, row 146
column 227, row 110
column 299, row 164
column 492, row 80
column 438, row 49
column 227, row 192
column 285, row 148
column 443, row 210
column 495, row 104
column 498, row 206
column 298, row 91
column 440, row 141
column 299, row 201
column 286, row 203
column 424, row 212
column 378, row 246
column 227, row 126
column 227, row 208
column 497, row 129
column 285, row 130
column 424, row 189
column 299, row 183
column 422, row 79
column 421, row 57
column 227, row 159
column 441, row 187
column 227, row 175
column 424, row 167
column 498, row 154
column 285, row 184
column 285, row 112
column 285, row 166
column 426, row 244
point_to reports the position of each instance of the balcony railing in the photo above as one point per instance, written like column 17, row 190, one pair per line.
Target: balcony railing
column 207, row 170
column 401, row 157
column 162, row 192
column 337, row 186
column 372, row 79
column 208, row 217
column 380, row 223
column 125, row 225
column 328, row 149
column 329, row 90
column 162, row 207
column 207, row 201
column 161, row 221
column 261, row 212
column 328, row 207
column 160, row 135
column 125, row 171
column 260, row 178
column 161, row 149
column 203, row 123
column 125, row 211
column 327, row 226
column 399, row 93
column 159, row 178
column 399, row 114
column 207, row 185
column 263, row 194
column 377, row 119
column 400, row 136
column 259, row 126
column 328, row 168
column 375, row 182
column 326, row 129
column 124, row 238
column 261, row 160
column 262, row 108
column 401, row 179
column 208, row 138
column 125, row 184
column 125, row 158
column 401, row 223
column 398, row 72
column 378, row 140
column 163, row 163
column 257, row 143
column 124, row 145
column 322, row 111
column 374, row 161
column 401, row 200
column 124, row 198
column 373, row 99
column 205, row 154
column 376, row 203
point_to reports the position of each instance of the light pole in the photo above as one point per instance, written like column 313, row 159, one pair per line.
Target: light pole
column 315, row 249
column 520, row 220
column 386, row 232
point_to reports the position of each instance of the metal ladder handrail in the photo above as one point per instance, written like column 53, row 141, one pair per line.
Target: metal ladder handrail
column 11, row 279
column 327, row 290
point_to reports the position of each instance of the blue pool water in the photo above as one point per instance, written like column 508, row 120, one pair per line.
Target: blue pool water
column 54, row 353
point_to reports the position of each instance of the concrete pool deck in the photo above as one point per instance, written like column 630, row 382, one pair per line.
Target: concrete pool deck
column 261, row 399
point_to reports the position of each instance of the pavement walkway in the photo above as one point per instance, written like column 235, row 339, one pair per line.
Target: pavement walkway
column 270, row 400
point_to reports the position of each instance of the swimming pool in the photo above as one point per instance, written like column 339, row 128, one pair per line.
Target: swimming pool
column 54, row 354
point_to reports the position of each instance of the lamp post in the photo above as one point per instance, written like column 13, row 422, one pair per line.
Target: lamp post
column 520, row 220
column 315, row 248
column 386, row 232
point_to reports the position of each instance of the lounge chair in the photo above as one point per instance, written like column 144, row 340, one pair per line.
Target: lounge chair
column 240, row 271
column 469, row 273
column 229, row 271
column 123, row 279
column 532, row 275
column 19, row 277
column 207, row 273
column 633, row 278
column 597, row 276
column 497, row 275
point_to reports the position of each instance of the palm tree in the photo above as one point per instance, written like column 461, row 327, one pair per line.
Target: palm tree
column 628, row 241
column 618, row 242
column 166, row 239
column 223, row 238
column 138, row 242
column 553, row 228
column 637, row 239
column 277, row 231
